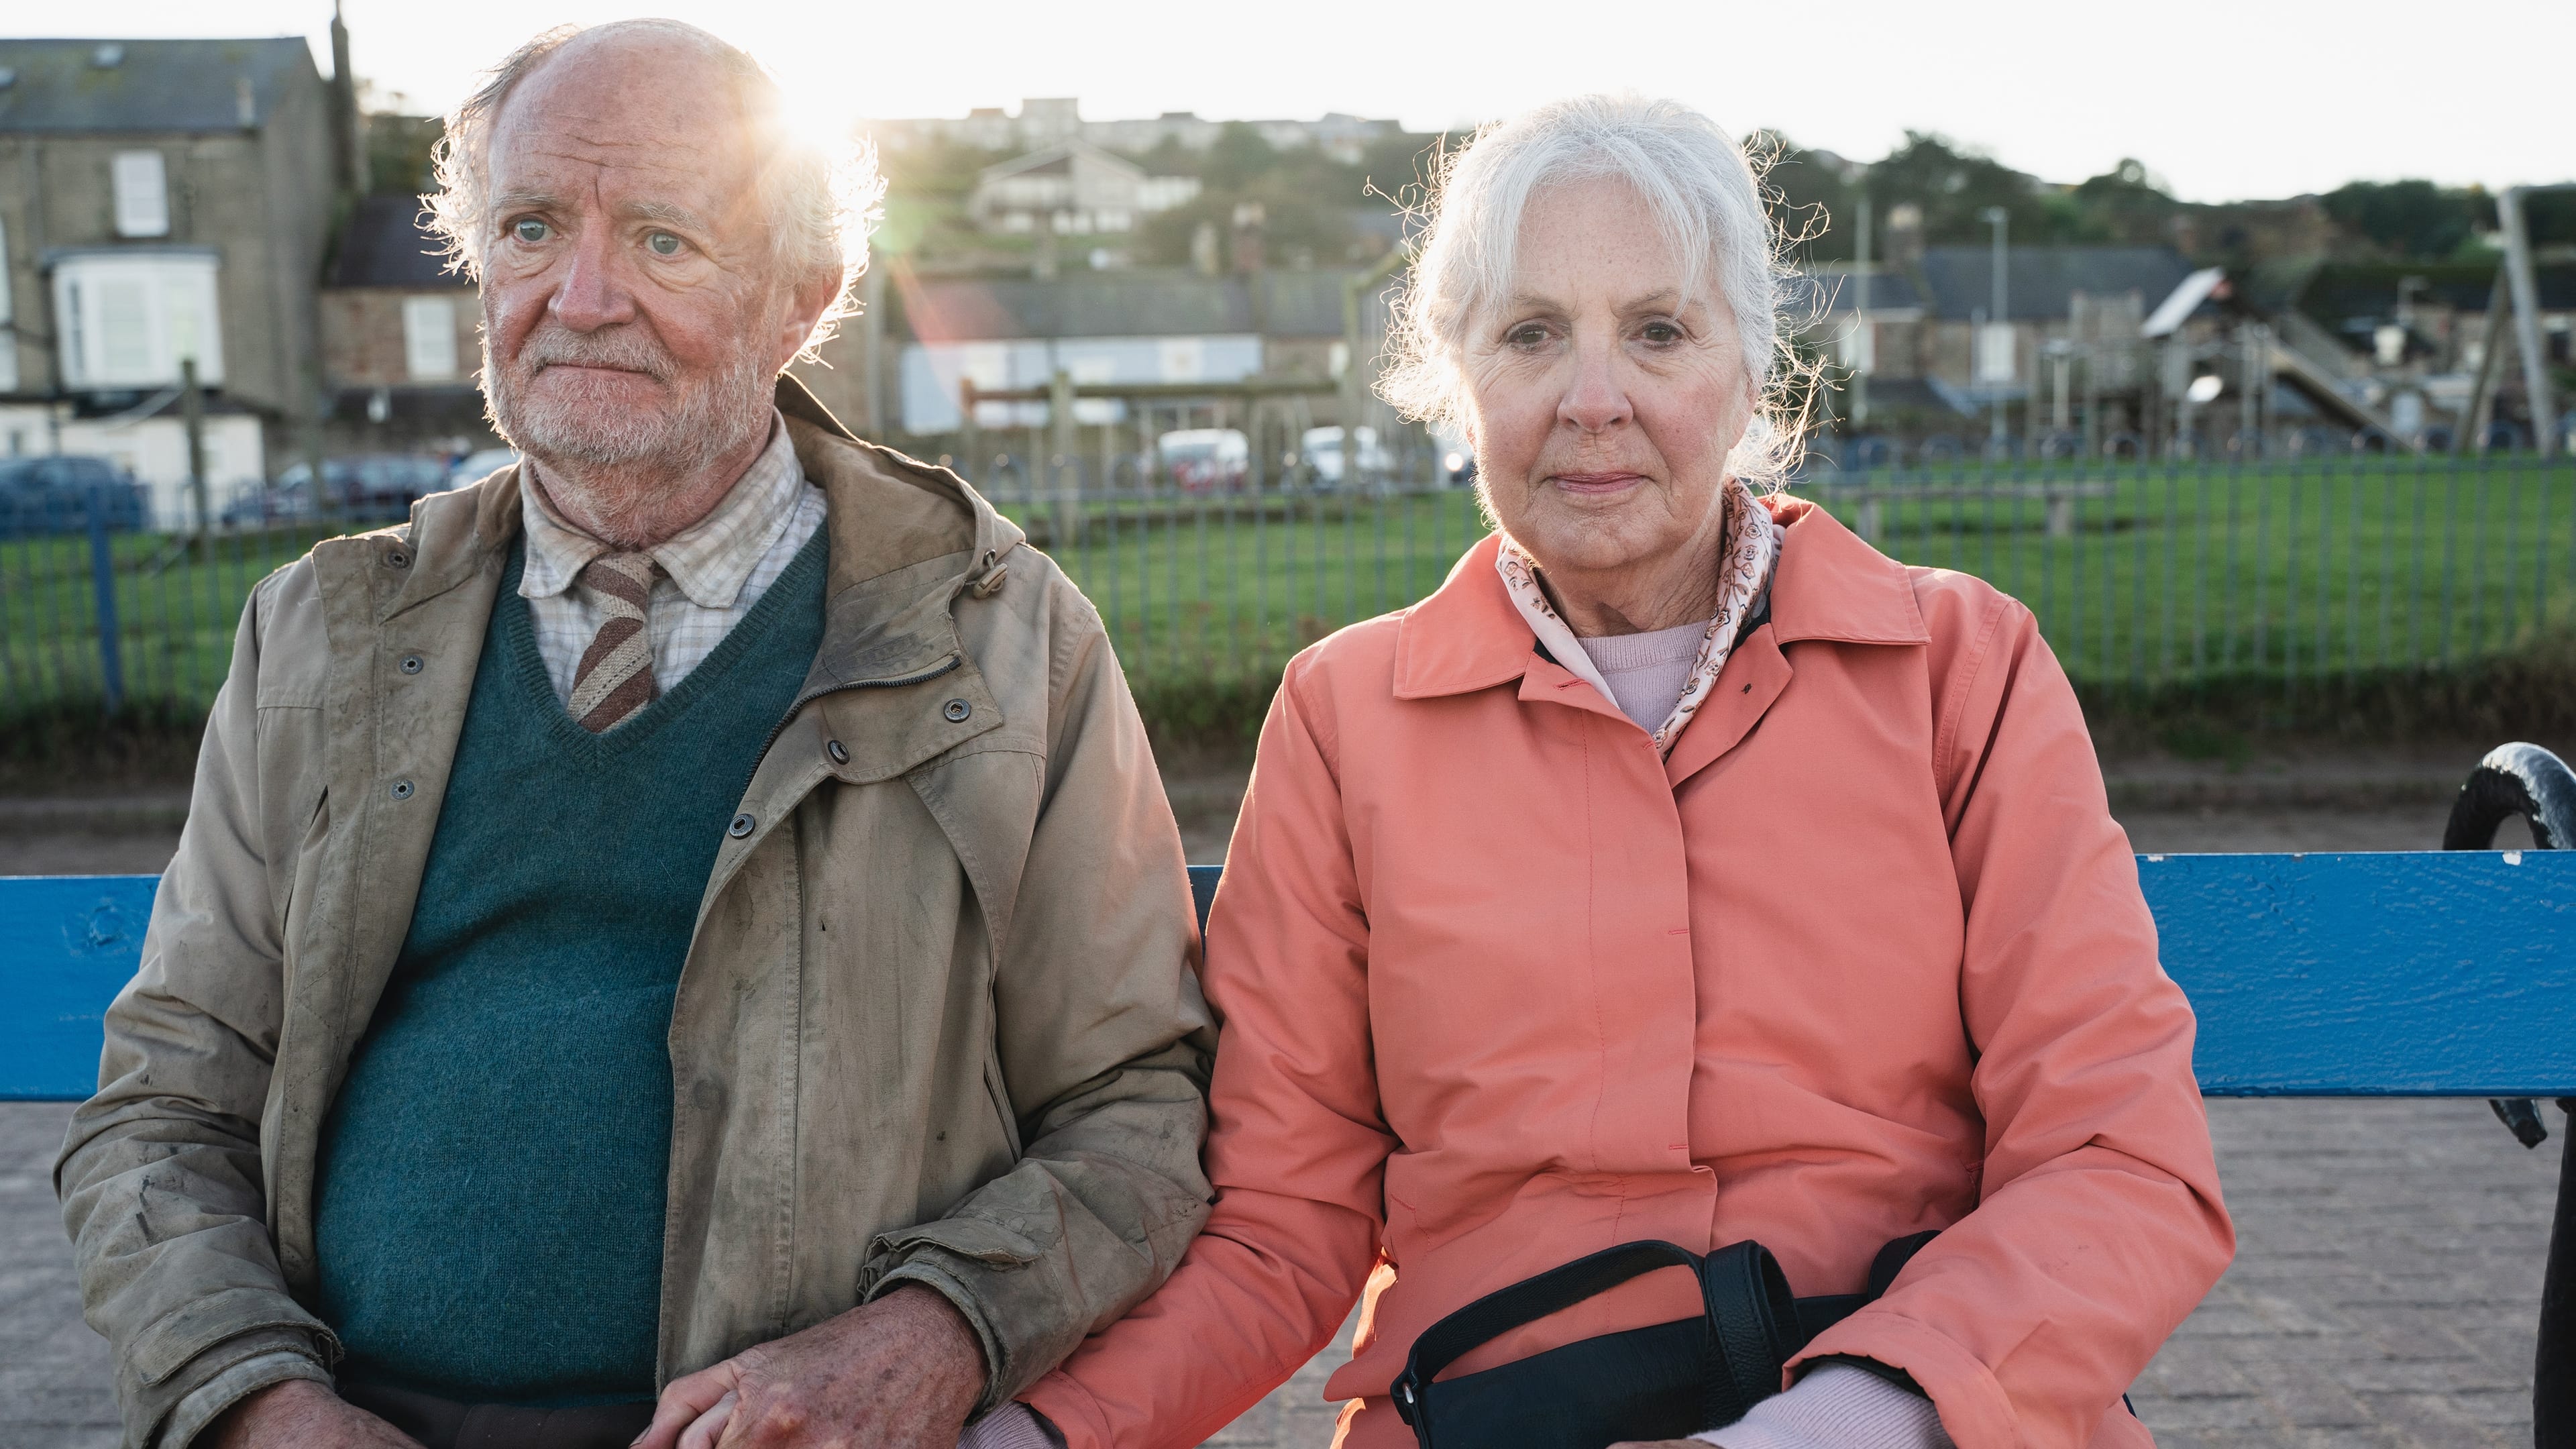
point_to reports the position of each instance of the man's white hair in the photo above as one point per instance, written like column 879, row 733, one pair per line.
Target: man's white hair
column 1702, row 189
column 822, row 200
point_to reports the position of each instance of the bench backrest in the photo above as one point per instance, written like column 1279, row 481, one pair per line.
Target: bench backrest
column 2426, row 974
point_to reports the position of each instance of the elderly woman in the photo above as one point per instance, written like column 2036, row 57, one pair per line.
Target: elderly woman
column 1681, row 870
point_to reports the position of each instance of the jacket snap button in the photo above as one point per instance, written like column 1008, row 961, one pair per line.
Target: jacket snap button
column 741, row 825
column 833, row 748
column 957, row 711
column 402, row 789
column 412, row 664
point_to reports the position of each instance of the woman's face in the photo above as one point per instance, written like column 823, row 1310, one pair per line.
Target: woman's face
column 1602, row 402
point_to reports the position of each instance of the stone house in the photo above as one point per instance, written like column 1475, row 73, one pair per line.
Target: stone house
column 400, row 336
column 163, row 201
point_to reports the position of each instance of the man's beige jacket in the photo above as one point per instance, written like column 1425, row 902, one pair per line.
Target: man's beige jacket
column 938, row 1022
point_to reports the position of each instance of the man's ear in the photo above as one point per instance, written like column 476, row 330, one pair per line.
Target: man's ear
column 803, row 308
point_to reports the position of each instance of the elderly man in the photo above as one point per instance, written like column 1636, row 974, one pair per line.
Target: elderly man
column 698, row 905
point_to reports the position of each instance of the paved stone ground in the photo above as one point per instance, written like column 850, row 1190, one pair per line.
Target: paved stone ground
column 2383, row 1296
column 2384, row 1293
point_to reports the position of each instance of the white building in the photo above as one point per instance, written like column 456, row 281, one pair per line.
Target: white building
column 1047, row 121
column 1072, row 188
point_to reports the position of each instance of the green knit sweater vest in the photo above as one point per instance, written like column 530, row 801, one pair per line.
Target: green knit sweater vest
column 488, row 1213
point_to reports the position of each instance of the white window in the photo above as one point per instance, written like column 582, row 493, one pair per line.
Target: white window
column 128, row 318
column 1995, row 352
column 429, row 338
column 1856, row 345
column 142, row 194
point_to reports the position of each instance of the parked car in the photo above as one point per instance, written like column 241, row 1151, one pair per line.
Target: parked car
column 53, row 494
column 1205, row 460
column 369, row 488
column 477, row 466
column 1321, row 450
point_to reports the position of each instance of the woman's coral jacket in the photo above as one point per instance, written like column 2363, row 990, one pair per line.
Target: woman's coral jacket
column 1865, row 955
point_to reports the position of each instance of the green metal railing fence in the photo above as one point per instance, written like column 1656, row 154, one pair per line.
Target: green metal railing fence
column 2146, row 576
column 2286, row 574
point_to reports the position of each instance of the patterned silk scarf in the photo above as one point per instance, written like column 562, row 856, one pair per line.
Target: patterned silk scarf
column 1744, row 569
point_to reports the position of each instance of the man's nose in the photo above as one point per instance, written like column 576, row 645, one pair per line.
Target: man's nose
column 592, row 293
column 1594, row 397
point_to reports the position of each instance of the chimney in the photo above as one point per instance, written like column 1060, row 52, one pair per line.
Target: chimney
column 1250, row 222
column 348, row 138
column 1904, row 237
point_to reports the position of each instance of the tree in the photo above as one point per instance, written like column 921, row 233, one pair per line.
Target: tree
column 2127, row 204
column 1954, row 187
column 398, row 152
column 2405, row 219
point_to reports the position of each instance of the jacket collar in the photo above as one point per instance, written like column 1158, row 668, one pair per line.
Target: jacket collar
column 905, row 538
column 1830, row 586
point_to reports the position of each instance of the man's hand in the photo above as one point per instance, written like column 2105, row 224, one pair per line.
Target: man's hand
column 900, row 1373
column 300, row 1414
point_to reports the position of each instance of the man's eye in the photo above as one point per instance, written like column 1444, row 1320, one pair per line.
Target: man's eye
column 663, row 244
column 529, row 229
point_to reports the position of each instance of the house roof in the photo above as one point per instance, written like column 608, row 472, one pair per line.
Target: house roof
column 2038, row 280
column 1057, row 160
column 146, row 85
column 386, row 244
column 1809, row 295
column 1125, row 304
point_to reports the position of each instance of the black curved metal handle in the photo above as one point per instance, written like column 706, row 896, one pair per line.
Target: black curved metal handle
column 2527, row 781
column 2516, row 779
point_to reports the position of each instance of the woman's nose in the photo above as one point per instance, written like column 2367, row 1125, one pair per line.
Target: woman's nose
column 1594, row 399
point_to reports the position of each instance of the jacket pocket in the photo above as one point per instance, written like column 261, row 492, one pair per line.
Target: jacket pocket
column 176, row 1338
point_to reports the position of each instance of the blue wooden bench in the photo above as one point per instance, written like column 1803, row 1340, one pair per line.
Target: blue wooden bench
column 2446, row 973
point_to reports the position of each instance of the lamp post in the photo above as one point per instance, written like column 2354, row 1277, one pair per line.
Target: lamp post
column 2001, row 317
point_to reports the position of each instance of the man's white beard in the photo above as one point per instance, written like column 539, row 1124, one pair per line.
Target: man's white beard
column 588, row 431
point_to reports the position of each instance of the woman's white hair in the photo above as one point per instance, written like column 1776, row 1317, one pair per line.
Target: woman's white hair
column 1701, row 187
column 822, row 201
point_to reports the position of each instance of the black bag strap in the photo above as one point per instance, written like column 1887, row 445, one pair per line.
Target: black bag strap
column 1891, row 1260
column 1757, row 1324
column 1505, row 1309
column 1753, row 1318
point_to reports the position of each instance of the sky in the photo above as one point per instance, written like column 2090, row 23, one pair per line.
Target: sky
column 2223, row 99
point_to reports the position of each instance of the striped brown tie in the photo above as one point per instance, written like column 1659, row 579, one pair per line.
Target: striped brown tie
column 615, row 677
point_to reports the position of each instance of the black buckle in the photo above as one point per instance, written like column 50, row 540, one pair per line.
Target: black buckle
column 1406, row 1394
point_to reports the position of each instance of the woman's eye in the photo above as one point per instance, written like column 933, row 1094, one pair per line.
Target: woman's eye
column 1530, row 335
column 529, row 229
column 1663, row 332
column 663, row 244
